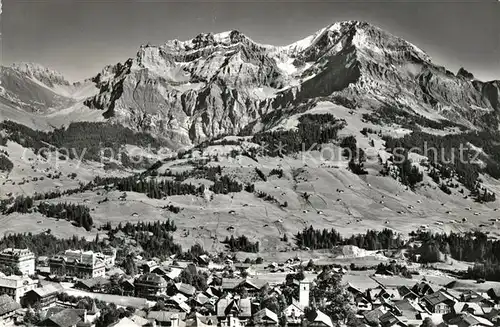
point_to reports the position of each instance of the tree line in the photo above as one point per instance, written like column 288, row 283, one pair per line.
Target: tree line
column 327, row 239
column 79, row 214
column 241, row 243
column 155, row 239
column 312, row 130
column 81, row 138
column 470, row 246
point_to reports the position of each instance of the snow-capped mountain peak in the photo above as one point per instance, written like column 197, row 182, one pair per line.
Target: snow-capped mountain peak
column 218, row 83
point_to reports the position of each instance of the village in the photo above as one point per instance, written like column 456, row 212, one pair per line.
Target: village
column 86, row 288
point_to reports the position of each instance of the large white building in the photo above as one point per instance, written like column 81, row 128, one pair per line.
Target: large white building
column 16, row 286
column 81, row 264
column 23, row 259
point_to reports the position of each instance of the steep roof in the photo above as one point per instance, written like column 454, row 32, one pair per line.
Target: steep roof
column 152, row 278
column 125, row 322
column 374, row 315
column 323, row 318
column 45, row 290
column 185, row 288
column 93, row 282
column 241, row 307
column 437, row 298
column 389, row 319
column 405, row 291
column 265, row 315
column 7, row 304
column 67, row 317
column 231, row 283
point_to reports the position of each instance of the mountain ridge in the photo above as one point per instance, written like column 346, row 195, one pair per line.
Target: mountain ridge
column 218, row 83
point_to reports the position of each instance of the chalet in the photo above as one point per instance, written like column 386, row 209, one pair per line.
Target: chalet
column 202, row 260
column 230, row 284
column 293, row 314
column 177, row 303
column 353, row 289
column 241, row 308
column 407, row 294
column 468, row 307
column 169, row 273
column 96, row 284
column 185, row 289
column 362, row 303
column 265, row 317
column 423, row 289
column 390, row 320
column 407, row 310
column 251, row 285
column 200, row 300
column 44, row 296
column 8, row 308
column 149, row 266
column 128, row 287
column 373, row 317
column 64, row 318
column 438, row 302
column 162, row 271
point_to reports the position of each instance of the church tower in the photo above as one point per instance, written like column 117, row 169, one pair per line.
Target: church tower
column 304, row 294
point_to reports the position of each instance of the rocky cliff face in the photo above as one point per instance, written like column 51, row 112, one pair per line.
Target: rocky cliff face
column 217, row 84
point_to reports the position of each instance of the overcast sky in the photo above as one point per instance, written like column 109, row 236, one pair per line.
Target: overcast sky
column 79, row 38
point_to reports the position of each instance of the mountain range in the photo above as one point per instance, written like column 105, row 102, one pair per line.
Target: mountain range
column 219, row 84
column 218, row 100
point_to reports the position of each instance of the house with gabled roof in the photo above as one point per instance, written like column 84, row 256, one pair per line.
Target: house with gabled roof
column 185, row 289
column 423, row 288
column 407, row 294
column 390, row 320
column 438, row 302
column 265, row 317
column 469, row 307
column 293, row 314
column 407, row 310
column 373, row 316
column 362, row 303
column 96, row 284
column 44, row 296
column 64, row 318
column 236, row 307
column 8, row 308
